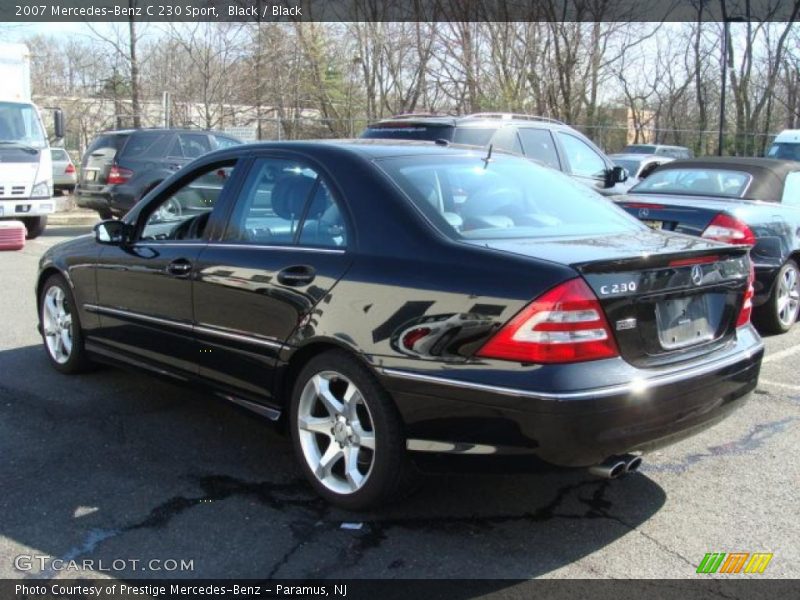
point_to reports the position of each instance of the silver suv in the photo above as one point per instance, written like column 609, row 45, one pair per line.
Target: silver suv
column 545, row 140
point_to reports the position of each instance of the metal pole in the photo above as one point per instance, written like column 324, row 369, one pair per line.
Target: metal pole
column 725, row 34
column 165, row 109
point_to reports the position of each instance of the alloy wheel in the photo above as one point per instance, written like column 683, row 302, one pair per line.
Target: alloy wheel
column 336, row 432
column 57, row 324
column 788, row 300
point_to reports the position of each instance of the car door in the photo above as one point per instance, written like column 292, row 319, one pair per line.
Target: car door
column 583, row 161
column 285, row 246
column 144, row 287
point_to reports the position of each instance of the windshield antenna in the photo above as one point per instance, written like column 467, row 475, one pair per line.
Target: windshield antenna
column 488, row 157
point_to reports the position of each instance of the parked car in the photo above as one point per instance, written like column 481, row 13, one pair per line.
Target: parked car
column 749, row 201
column 548, row 141
column 382, row 300
column 659, row 149
column 639, row 166
column 120, row 167
column 786, row 145
column 64, row 176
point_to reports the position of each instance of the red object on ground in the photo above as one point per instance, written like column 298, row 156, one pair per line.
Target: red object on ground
column 12, row 235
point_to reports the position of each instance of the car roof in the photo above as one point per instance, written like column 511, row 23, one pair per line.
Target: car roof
column 768, row 173
column 369, row 149
column 476, row 120
column 160, row 130
column 640, row 157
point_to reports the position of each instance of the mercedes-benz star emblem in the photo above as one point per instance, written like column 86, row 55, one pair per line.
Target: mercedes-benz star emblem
column 697, row 275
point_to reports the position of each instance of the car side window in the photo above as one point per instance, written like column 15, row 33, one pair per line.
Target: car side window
column 324, row 224
column 224, row 142
column 184, row 212
column 538, row 144
column 507, row 139
column 791, row 190
column 583, row 159
column 272, row 204
column 194, row 144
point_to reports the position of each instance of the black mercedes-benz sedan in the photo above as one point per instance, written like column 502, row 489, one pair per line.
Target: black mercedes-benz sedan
column 384, row 299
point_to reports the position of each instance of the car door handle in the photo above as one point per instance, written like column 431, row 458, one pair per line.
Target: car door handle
column 179, row 267
column 296, row 275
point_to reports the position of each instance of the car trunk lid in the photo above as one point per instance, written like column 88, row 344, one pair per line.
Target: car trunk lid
column 681, row 214
column 667, row 298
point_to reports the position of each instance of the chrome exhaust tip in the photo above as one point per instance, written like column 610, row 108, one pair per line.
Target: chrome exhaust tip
column 632, row 463
column 611, row 468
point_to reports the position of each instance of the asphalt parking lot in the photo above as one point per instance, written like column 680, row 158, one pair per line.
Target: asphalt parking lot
column 114, row 465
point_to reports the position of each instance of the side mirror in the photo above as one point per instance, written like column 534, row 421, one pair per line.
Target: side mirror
column 112, row 233
column 614, row 176
column 58, row 123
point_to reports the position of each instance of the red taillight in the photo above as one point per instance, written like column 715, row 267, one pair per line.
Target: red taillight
column 70, row 169
column 118, row 175
column 747, row 305
column 565, row 324
column 728, row 229
column 646, row 205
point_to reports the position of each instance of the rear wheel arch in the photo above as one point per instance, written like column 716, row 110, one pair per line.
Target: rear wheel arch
column 149, row 188
column 300, row 359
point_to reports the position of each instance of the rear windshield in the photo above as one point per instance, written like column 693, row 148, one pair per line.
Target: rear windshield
column 103, row 142
column 695, row 182
column 639, row 149
column 784, row 151
column 58, row 154
column 509, row 197
column 409, row 131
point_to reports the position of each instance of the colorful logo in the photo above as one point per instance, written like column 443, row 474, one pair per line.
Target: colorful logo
column 734, row 562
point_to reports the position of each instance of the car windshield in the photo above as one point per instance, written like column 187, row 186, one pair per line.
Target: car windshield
column 784, row 151
column 19, row 123
column 639, row 149
column 506, row 197
column 630, row 165
column 695, row 182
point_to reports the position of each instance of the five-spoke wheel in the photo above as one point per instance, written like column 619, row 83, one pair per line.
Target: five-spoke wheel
column 780, row 313
column 347, row 433
column 60, row 326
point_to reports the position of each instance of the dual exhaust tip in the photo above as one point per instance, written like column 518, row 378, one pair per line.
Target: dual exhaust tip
column 617, row 466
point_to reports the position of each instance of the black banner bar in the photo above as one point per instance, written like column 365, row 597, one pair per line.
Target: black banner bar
column 397, row 10
column 381, row 589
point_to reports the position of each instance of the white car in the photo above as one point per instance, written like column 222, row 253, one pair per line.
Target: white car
column 639, row 166
column 64, row 176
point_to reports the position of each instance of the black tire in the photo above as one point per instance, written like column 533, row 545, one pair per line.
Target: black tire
column 105, row 214
column 78, row 360
column 769, row 317
column 391, row 475
column 35, row 226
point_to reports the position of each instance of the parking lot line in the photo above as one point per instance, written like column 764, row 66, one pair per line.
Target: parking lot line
column 782, row 354
column 788, row 386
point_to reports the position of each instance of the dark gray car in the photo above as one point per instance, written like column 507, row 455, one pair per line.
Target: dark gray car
column 120, row 167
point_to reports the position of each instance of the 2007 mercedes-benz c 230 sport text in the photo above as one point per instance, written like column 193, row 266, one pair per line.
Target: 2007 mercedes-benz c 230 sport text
column 381, row 299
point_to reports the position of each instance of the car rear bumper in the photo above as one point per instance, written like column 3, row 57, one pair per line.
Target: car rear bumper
column 574, row 426
column 116, row 198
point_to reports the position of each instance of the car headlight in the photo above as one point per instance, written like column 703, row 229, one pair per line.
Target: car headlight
column 42, row 190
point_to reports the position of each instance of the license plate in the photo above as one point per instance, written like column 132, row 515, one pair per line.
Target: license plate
column 654, row 224
column 684, row 322
column 90, row 175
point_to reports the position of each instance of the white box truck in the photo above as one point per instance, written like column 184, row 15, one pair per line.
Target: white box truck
column 26, row 171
